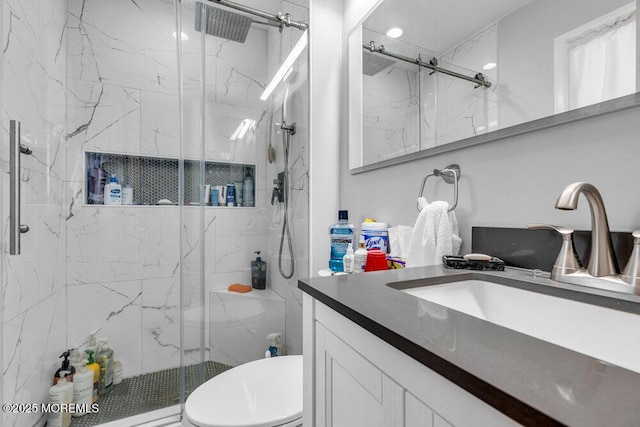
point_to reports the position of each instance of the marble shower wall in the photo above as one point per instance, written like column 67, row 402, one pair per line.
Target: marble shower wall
column 297, row 111
column 406, row 109
column 123, row 98
column 463, row 110
column 34, row 294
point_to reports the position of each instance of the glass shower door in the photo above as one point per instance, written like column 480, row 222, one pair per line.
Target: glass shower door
column 239, row 83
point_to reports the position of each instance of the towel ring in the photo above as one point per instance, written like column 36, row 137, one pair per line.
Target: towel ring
column 450, row 175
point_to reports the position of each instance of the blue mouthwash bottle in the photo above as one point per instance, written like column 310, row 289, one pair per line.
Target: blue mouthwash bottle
column 341, row 234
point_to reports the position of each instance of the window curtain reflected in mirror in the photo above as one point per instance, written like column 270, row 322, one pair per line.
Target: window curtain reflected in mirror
column 602, row 63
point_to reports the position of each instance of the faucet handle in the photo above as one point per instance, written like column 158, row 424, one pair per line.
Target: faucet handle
column 631, row 273
column 567, row 261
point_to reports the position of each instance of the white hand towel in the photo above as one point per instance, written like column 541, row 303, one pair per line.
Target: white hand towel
column 435, row 234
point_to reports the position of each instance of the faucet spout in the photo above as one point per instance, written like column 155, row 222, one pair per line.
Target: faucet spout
column 602, row 261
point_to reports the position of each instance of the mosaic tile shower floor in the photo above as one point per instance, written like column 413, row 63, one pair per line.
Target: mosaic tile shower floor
column 144, row 393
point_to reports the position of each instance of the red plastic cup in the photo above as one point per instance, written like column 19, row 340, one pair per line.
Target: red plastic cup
column 376, row 260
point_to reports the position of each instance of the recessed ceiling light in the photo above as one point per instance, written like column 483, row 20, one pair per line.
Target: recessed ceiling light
column 394, row 32
column 183, row 36
column 489, row 66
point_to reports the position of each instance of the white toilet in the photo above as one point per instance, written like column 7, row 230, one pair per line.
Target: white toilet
column 262, row 393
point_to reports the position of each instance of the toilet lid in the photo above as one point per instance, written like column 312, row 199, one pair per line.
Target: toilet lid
column 262, row 393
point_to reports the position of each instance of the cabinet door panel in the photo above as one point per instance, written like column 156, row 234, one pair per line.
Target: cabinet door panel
column 417, row 414
column 351, row 403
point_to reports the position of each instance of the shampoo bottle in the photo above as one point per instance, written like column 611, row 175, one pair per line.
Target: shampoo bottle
column 127, row 194
column 92, row 344
column 248, row 198
column 105, row 360
column 95, row 369
column 341, row 234
column 117, row 372
column 82, row 390
column 113, row 192
column 61, row 393
column 258, row 273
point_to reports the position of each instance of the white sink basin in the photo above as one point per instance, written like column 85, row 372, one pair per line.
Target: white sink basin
column 609, row 335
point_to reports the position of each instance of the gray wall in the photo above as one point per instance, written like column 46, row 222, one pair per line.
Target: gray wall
column 515, row 181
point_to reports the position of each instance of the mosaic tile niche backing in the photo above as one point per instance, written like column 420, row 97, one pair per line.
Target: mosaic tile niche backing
column 154, row 178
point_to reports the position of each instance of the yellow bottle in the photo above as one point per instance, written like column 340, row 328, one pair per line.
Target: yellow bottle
column 95, row 368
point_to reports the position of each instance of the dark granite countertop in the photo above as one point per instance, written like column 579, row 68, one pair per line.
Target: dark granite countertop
column 532, row 381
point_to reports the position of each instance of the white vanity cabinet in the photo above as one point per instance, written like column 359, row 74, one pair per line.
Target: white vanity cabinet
column 353, row 378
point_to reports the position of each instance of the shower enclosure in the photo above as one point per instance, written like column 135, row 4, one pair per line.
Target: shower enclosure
column 150, row 92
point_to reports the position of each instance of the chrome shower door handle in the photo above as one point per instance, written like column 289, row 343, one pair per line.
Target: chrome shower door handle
column 15, row 149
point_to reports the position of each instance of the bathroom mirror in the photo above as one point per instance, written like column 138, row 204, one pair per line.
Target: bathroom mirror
column 487, row 70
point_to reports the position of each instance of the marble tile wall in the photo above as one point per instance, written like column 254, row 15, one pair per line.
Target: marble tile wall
column 391, row 109
column 103, row 76
column 123, row 86
column 464, row 110
column 406, row 109
column 33, row 294
column 298, row 112
column 126, row 258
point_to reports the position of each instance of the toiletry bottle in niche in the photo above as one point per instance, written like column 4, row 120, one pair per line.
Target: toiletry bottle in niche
column 60, row 394
column 82, row 390
column 127, row 194
column 258, row 273
column 348, row 260
column 95, row 369
column 113, row 192
column 248, row 198
column 231, row 195
column 105, row 360
column 341, row 234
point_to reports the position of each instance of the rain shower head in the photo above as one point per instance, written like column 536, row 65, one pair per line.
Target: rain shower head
column 222, row 23
column 373, row 64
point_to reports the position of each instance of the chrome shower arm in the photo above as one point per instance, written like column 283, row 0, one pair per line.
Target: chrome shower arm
column 279, row 18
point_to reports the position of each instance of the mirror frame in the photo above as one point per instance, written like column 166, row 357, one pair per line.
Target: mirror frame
column 354, row 61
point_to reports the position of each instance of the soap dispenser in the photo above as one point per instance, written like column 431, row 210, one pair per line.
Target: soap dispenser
column 65, row 367
column 258, row 273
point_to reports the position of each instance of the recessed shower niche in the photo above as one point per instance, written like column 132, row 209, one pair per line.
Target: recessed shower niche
column 155, row 179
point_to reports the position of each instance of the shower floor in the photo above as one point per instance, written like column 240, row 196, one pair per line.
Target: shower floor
column 148, row 392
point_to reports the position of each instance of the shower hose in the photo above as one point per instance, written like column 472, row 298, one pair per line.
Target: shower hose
column 286, row 139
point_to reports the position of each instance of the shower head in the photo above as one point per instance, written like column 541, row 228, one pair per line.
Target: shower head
column 373, row 64
column 222, row 23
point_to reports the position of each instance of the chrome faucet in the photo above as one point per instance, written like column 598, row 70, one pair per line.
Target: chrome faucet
column 602, row 271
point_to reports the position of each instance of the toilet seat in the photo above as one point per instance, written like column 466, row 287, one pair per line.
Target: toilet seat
column 262, row 393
